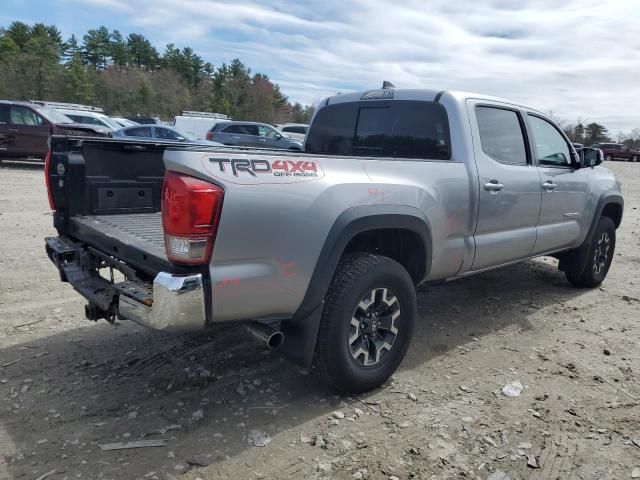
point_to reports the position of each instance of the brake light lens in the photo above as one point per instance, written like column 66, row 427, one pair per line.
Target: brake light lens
column 47, row 166
column 209, row 135
column 191, row 210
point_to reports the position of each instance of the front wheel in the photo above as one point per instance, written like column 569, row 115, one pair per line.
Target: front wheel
column 599, row 256
column 634, row 158
column 608, row 158
column 367, row 323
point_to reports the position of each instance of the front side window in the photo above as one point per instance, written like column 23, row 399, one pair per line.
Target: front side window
column 166, row 134
column 501, row 135
column 387, row 128
column 144, row 132
column 24, row 116
column 550, row 146
column 267, row 132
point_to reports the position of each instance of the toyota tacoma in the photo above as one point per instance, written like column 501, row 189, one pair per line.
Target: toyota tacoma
column 320, row 252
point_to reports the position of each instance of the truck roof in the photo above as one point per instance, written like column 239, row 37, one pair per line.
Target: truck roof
column 419, row 94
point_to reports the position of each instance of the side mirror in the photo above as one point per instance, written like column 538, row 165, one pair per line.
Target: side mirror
column 591, row 157
column 181, row 139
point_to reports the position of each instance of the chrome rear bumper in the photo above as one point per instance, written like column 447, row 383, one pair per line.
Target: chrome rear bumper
column 178, row 304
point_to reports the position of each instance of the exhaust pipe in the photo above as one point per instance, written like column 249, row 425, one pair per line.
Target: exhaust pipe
column 272, row 337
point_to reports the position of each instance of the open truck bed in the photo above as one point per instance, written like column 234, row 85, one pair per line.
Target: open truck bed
column 140, row 232
column 107, row 198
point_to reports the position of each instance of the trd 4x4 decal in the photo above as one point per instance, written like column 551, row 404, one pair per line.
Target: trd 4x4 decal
column 248, row 171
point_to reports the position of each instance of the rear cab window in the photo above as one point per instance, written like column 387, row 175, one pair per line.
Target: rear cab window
column 386, row 128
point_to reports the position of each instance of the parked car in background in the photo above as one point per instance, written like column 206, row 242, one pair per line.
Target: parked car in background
column 25, row 128
column 91, row 118
column 79, row 113
column 252, row 134
column 293, row 130
column 145, row 120
column 124, row 122
column 159, row 132
column 618, row 151
column 197, row 124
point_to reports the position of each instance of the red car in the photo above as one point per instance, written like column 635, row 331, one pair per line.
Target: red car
column 25, row 128
column 618, row 151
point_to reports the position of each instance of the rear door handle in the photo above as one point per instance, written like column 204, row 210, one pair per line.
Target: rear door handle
column 549, row 186
column 494, row 186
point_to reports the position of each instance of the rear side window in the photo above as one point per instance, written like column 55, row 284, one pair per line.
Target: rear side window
column 396, row 128
column 242, row 129
column 501, row 135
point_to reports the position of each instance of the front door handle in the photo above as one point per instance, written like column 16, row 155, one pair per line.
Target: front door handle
column 549, row 186
column 13, row 130
column 494, row 186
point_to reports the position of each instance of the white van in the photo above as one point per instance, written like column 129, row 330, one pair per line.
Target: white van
column 197, row 124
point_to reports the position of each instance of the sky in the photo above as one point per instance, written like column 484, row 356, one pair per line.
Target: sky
column 574, row 58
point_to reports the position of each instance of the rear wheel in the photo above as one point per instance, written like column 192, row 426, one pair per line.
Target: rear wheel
column 634, row 158
column 367, row 323
column 599, row 256
column 608, row 157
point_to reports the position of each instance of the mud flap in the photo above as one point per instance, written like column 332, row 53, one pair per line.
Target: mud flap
column 574, row 260
column 300, row 336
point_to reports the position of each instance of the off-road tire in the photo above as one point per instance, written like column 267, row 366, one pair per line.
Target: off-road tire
column 356, row 276
column 596, row 267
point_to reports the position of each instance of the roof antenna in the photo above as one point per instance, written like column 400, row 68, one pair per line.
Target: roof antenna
column 386, row 85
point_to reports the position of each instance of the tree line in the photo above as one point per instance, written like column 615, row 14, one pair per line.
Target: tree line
column 127, row 75
column 591, row 133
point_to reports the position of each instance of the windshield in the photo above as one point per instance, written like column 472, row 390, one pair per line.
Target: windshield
column 188, row 136
column 111, row 122
column 53, row 116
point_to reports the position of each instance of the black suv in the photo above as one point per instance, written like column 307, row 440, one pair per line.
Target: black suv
column 25, row 128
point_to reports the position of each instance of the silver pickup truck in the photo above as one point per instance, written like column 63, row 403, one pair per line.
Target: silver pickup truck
column 319, row 253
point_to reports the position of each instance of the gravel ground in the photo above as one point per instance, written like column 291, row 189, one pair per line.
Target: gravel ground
column 69, row 387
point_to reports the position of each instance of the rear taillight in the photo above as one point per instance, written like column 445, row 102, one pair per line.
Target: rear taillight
column 191, row 211
column 209, row 135
column 47, row 165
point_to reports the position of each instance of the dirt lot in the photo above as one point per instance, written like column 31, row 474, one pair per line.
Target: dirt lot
column 68, row 386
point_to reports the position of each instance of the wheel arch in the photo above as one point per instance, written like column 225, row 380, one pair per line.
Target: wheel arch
column 382, row 229
column 609, row 205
